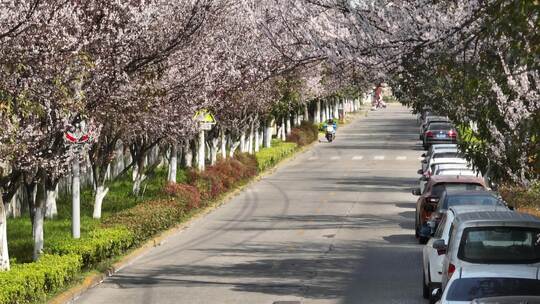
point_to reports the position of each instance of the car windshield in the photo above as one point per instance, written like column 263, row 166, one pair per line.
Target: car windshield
column 446, row 155
column 500, row 245
column 439, row 188
column 440, row 126
column 471, row 200
column 468, row 289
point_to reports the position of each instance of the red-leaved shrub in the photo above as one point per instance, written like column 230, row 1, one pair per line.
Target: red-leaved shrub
column 188, row 193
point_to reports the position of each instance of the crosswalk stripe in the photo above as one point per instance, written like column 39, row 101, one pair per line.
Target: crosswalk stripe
column 358, row 157
column 401, row 158
column 379, row 157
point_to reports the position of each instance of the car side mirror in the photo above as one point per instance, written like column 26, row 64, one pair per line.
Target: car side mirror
column 424, row 161
column 423, row 154
column 416, row 191
column 420, row 171
column 436, row 294
column 440, row 246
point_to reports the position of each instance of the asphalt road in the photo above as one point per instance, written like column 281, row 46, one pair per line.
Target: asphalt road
column 334, row 225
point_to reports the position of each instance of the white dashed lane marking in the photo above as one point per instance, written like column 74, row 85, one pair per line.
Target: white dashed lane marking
column 401, row 158
column 378, row 157
column 358, row 157
column 334, row 157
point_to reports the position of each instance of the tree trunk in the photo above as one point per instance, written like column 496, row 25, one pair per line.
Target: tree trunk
column 257, row 141
column 4, row 253
column 139, row 177
column 201, row 153
column 317, row 117
column 323, row 114
column 268, row 134
column 51, row 210
column 306, row 113
column 223, row 144
column 214, row 150
column 336, row 108
column 233, row 148
column 173, row 164
column 287, row 124
column 39, row 214
column 243, row 142
column 188, row 154
column 101, row 192
column 250, row 140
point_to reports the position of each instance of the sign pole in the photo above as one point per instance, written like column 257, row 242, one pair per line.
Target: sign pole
column 76, row 198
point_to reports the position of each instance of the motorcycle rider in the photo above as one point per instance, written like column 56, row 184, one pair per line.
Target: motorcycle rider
column 330, row 128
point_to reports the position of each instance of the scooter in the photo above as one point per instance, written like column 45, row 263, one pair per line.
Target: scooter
column 330, row 133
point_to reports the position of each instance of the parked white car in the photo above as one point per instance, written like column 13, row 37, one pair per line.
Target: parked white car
column 491, row 237
column 432, row 258
column 439, row 153
column 477, row 282
column 433, row 163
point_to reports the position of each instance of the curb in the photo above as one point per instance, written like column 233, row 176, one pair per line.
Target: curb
column 73, row 293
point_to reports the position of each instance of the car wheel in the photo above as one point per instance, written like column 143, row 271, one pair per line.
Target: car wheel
column 426, row 291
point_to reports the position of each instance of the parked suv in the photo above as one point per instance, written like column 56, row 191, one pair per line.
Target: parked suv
column 492, row 237
column 432, row 258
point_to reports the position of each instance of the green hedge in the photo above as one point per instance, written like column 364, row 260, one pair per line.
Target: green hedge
column 29, row 283
column 269, row 157
column 99, row 245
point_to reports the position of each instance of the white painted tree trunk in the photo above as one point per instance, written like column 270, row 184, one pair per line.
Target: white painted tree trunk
column 268, row 134
column 101, row 192
column 202, row 153
column 76, row 199
column 336, row 108
column 188, row 155
column 139, row 179
column 250, row 146
column 4, row 253
column 317, row 116
column 51, row 210
column 214, row 150
column 223, row 145
column 243, row 142
column 14, row 207
column 306, row 113
column 324, row 118
column 288, row 124
column 173, row 164
column 261, row 137
column 283, row 129
column 257, row 141
column 39, row 215
column 233, row 148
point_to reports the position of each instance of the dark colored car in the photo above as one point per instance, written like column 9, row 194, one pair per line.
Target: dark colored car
column 439, row 133
column 451, row 198
column 428, row 120
column 428, row 200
